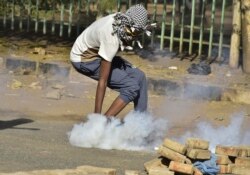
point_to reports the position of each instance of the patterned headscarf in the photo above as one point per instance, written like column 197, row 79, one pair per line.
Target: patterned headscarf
column 135, row 19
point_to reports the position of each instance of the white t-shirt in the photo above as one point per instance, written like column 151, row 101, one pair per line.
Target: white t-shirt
column 98, row 36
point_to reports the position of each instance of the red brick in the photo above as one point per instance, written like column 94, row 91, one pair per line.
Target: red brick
column 160, row 171
column 245, row 151
column 181, row 167
column 242, row 161
column 175, row 146
column 131, row 172
column 172, row 155
column 223, row 160
column 97, row 170
column 157, row 162
column 227, row 150
column 225, row 169
column 241, row 169
column 198, row 154
column 197, row 143
column 197, row 172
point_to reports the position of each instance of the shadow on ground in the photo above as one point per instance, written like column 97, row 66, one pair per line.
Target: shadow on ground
column 15, row 122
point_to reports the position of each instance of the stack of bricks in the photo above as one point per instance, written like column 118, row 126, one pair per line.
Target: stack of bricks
column 176, row 158
column 233, row 159
column 179, row 158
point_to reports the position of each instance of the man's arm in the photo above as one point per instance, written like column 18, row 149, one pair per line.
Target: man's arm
column 102, row 84
column 118, row 104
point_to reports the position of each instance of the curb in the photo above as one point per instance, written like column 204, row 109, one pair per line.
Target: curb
column 184, row 90
column 23, row 65
column 166, row 87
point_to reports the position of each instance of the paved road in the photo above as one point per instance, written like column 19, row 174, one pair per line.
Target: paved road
column 33, row 128
column 43, row 144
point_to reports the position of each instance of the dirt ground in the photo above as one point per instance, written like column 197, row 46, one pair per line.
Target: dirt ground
column 34, row 125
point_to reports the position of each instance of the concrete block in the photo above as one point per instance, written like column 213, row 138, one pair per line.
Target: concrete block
column 181, row 167
column 227, row 150
column 197, row 143
column 54, row 69
column 131, row 172
column 223, row 160
column 175, row 146
column 198, row 154
column 202, row 92
column 20, row 65
column 172, row 155
column 162, row 86
column 160, row 171
column 241, row 169
column 1, row 62
column 242, row 161
column 236, row 96
column 97, row 170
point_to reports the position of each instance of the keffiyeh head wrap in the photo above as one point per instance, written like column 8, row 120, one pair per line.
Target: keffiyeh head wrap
column 136, row 19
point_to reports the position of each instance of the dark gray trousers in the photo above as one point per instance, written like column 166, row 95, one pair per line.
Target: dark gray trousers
column 130, row 82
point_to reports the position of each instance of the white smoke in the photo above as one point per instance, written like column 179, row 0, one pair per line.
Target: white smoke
column 230, row 135
column 140, row 131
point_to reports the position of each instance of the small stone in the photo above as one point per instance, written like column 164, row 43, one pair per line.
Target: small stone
column 35, row 85
column 58, row 86
column 16, row 84
column 39, row 51
column 219, row 118
column 54, row 94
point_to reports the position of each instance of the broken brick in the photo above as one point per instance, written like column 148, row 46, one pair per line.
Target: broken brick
column 160, row 171
column 199, row 154
column 131, row 172
column 223, row 160
column 175, row 146
column 227, row 150
column 224, row 169
column 197, row 171
column 157, row 162
column 242, row 161
column 197, row 143
column 172, row 155
column 181, row 167
column 241, row 169
column 97, row 170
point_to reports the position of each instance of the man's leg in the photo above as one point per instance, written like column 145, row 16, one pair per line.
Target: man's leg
column 132, row 85
column 129, row 81
column 141, row 101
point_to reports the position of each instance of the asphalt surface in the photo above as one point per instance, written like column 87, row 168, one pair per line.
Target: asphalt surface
column 34, row 129
column 36, row 145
